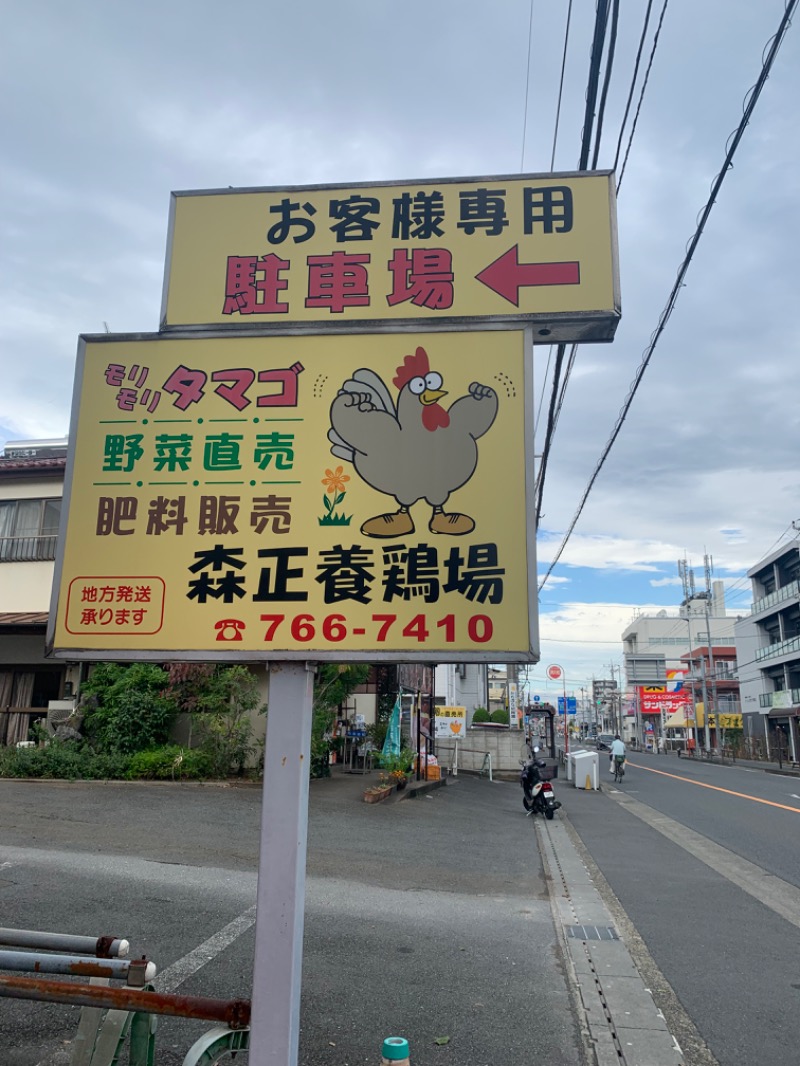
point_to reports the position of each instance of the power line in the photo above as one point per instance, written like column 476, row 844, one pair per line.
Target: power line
column 641, row 94
column 734, row 141
column 548, row 439
column 595, row 59
column 612, row 44
column 633, row 81
column 527, row 89
column 561, row 85
column 541, row 397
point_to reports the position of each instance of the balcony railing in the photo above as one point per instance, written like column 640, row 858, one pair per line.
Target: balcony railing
column 783, row 647
column 788, row 592
column 27, row 549
column 786, row 698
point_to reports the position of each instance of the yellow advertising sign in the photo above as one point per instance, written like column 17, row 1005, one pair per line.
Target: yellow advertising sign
column 727, row 720
column 539, row 247
column 343, row 497
column 450, row 722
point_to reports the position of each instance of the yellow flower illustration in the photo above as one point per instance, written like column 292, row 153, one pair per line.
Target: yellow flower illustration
column 334, row 480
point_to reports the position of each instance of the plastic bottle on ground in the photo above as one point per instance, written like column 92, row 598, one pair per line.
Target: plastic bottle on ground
column 395, row 1052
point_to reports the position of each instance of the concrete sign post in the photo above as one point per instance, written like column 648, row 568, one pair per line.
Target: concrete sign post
column 275, row 1026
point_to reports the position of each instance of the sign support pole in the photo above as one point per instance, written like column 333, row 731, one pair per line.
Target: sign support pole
column 566, row 716
column 277, row 972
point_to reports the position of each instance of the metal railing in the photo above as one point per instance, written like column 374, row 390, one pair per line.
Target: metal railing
column 28, row 549
column 782, row 647
column 788, row 592
column 110, row 1016
column 784, row 698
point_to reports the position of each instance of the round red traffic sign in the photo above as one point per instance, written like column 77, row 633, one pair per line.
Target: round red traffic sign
column 554, row 672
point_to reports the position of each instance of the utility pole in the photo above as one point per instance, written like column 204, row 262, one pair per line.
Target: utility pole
column 687, row 580
column 708, row 566
column 616, row 701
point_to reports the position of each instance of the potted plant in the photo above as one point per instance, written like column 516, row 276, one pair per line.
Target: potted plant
column 399, row 779
column 379, row 792
column 402, row 762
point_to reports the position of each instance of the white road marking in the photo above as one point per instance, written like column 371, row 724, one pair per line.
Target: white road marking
column 174, row 976
column 780, row 896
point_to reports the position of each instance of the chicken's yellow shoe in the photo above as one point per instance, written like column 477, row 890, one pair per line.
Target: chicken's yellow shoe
column 389, row 525
column 456, row 525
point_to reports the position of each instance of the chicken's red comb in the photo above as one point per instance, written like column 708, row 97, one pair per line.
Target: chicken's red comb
column 413, row 366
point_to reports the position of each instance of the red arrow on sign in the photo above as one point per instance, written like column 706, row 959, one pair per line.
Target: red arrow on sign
column 506, row 275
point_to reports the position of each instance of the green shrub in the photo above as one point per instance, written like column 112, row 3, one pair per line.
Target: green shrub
column 68, row 761
column 320, row 757
column 376, row 734
column 170, row 763
column 124, row 708
column 480, row 714
column 223, row 719
column 500, row 716
column 401, row 763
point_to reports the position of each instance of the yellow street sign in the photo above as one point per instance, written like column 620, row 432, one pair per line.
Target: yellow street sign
column 343, row 497
column 538, row 248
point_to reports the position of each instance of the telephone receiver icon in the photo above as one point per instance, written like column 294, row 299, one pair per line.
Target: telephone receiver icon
column 229, row 629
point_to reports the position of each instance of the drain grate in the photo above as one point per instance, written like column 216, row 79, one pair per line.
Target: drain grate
column 592, row 932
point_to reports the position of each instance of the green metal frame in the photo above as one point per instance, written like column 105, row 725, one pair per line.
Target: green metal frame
column 211, row 1047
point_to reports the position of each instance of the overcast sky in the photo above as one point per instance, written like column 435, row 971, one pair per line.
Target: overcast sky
column 106, row 108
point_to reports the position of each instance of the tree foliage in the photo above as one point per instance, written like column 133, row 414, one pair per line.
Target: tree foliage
column 333, row 684
column 223, row 716
column 125, row 708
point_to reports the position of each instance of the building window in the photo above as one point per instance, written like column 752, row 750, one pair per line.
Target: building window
column 28, row 530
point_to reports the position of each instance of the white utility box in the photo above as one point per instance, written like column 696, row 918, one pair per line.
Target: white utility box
column 587, row 770
column 569, row 760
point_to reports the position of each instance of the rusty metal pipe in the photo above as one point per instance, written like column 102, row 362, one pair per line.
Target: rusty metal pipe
column 235, row 1013
column 102, row 946
column 77, row 965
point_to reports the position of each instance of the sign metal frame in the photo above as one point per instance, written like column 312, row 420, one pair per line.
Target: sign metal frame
column 549, row 327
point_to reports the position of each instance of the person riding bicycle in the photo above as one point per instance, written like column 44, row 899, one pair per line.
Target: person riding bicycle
column 617, row 753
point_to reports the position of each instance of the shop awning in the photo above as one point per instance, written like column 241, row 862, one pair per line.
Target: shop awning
column 677, row 721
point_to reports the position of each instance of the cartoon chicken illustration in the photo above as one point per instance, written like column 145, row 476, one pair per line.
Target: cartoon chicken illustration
column 415, row 451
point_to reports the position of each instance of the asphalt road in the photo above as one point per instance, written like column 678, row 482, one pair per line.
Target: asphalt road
column 429, row 918
column 705, row 861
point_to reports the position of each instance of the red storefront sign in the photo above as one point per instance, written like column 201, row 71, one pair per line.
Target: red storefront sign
column 658, row 700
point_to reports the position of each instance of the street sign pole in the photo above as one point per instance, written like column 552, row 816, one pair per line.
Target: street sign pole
column 277, row 971
column 566, row 716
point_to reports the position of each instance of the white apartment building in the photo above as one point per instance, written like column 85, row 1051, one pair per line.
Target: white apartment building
column 653, row 646
column 768, row 652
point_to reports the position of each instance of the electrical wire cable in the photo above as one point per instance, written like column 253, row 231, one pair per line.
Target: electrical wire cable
column 612, row 45
column 771, row 52
column 537, row 420
column 527, row 90
column 641, row 94
column 595, row 60
column 548, row 438
column 629, row 101
column 601, row 19
column 561, row 85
